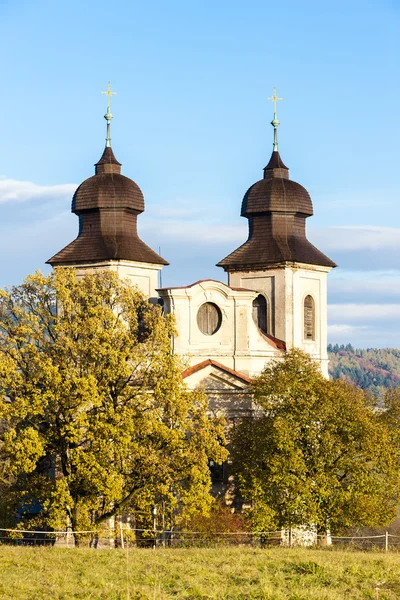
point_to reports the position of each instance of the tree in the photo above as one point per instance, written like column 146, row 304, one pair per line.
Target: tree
column 95, row 417
column 390, row 414
column 374, row 369
column 316, row 452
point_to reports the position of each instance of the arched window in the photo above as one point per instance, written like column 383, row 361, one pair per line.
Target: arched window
column 260, row 312
column 209, row 318
column 309, row 318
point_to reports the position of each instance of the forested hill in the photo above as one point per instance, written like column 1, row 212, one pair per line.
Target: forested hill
column 374, row 369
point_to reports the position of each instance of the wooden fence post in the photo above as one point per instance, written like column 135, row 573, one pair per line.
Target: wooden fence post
column 121, row 533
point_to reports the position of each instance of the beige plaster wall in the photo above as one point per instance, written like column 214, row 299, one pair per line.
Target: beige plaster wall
column 285, row 289
column 238, row 344
column 143, row 275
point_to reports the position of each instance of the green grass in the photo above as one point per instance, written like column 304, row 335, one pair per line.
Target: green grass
column 220, row 573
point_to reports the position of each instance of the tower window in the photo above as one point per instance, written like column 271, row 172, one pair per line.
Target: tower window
column 209, row 318
column 260, row 312
column 309, row 318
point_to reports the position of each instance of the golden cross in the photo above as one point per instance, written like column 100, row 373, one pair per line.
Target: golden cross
column 109, row 94
column 275, row 99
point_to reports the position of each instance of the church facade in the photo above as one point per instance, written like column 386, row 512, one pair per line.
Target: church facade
column 275, row 297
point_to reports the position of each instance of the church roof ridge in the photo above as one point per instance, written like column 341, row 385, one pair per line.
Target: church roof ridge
column 214, row 363
column 183, row 287
column 274, row 341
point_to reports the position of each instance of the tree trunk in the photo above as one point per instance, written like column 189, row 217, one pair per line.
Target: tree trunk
column 74, row 524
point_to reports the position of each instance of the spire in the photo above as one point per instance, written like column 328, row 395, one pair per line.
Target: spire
column 108, row 116
column 275, row 123
column 108, row 163
column 277, row 209
column 275, row 167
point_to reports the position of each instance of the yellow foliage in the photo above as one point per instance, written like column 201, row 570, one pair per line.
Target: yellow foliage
column 89, row 381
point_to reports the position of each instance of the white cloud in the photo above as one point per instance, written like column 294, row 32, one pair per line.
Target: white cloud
column 29, row 237
column 12, row 190
column 350, row 288
column 350, row 238
column 193, row 231
column 28, row 245
column 342, row 329
column 360, row 199
column 363, row 312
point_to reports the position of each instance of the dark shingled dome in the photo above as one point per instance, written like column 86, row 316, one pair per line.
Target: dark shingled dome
column 269, row 195
column 276, row 208
column 107, row 205
column 108, row 190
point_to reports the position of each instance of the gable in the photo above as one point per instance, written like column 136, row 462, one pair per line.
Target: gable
column 214, row 375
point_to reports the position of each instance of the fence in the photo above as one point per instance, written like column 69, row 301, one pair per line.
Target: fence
column 125, row 537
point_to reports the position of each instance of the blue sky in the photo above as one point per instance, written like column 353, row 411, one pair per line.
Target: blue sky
column 191, row 127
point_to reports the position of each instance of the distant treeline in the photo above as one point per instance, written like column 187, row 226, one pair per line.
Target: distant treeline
column 373, row 369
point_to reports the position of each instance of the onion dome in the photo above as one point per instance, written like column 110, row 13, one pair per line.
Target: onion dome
column 276, row 192
column 276, row 208
column 107, row 205
column 108, row 188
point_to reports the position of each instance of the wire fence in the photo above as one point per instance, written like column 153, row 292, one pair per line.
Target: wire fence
column 126, row 537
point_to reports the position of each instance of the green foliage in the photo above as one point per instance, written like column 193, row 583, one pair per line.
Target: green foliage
column 315, row 452
column 95, row 416
column 372, row 369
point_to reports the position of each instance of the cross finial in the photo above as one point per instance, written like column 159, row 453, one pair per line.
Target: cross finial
column 109, row 94
column 108, row 116
column 275, row 100
column 275, row 123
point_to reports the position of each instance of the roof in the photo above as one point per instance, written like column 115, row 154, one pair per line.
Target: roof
column 108, row 157
column 271, row 244
column 108, row 190
column 87, row 248
column 283, row 195
column 275, row 162
column 183, row 287
column 210, row 362
column 107, row 205
column 108, row 163
column 276, row 208
column 276, row 342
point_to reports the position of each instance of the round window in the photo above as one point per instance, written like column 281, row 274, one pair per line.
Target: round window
column 209, row 318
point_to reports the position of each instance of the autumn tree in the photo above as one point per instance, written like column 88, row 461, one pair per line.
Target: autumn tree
column 315, row 451
column 95, row 417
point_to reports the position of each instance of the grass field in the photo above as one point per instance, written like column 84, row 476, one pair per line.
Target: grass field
column 223, row 573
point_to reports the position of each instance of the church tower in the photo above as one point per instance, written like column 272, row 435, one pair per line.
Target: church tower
column 278, row 261
column 108, row 205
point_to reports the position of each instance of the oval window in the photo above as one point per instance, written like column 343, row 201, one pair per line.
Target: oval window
column 209, row 318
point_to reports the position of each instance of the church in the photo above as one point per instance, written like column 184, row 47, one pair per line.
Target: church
column 275, row 297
